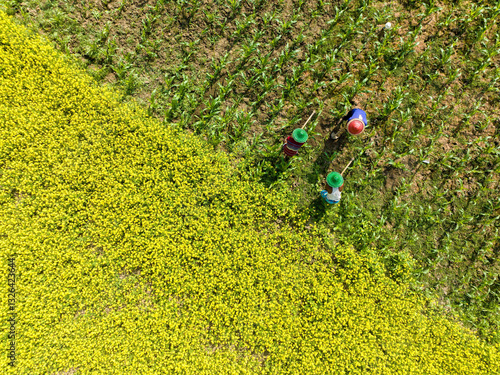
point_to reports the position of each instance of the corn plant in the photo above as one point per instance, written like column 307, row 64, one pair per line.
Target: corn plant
column 393, row 103
column 275, row 108
column 103, row 34
column 176, row 103
column 466, row 119
column 122, row 5
column 186, row 9
column 226, row 89
column 131, row 82
column 110, row 51
column 275, row 41
column 286, row 26
column 404, row 117
column 147, row 26
column 96, row 14
column 241, row 27
column 63, row 43
column 153, row 106
column 189, row 49
column 217, row 67
column 210, row 17
column 92, row 49
column 121, row 68
column 240, row 125
column 234, row 6
column 248, row 50
column 267, row 18
column 212, row 108
column 286, row 55
column 488, row 54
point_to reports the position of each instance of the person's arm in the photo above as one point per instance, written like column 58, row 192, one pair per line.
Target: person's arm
column 348, row 115
column 329, row 189
column 341, row 188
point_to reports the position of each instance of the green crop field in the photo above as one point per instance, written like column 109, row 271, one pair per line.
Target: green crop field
column 170, row 183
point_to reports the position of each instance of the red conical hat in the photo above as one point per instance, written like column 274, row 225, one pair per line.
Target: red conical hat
column 355, row 127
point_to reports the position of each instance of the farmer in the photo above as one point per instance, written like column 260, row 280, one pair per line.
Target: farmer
column 334, row 185
column 356, row 122
column 294, row 142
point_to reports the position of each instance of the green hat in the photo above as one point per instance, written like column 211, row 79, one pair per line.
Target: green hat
column 300, row 135
column 334, row 179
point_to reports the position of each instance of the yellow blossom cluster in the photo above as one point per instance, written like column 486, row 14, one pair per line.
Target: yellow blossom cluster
column 139, row 250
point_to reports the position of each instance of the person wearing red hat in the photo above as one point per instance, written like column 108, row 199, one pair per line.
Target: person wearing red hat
column 356, row 122
column 294, row 142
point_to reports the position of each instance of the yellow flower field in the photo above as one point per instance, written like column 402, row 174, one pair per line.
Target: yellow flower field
column 139, row 250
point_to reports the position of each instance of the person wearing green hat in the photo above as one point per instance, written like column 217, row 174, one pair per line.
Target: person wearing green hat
column 334, row 185
column 294, row 142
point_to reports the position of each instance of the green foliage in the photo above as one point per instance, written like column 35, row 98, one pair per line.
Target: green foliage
column 138, row 249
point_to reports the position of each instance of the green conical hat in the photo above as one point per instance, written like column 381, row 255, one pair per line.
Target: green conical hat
column 300, row 135
column 334, row 179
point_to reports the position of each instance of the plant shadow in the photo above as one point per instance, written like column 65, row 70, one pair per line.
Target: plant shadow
column 317, row 208
column 331, row 148
column 271, row 168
